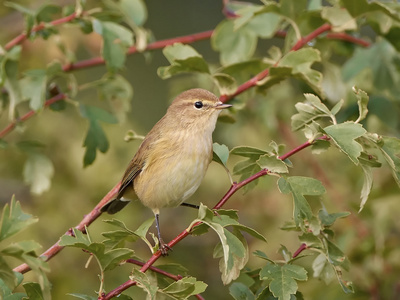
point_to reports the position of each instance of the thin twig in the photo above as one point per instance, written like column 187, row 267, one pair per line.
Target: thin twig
column 253, row 81
column 302, row 247
column 29, row 115
column 23, row 36
column 187, row 39
column 86, row 221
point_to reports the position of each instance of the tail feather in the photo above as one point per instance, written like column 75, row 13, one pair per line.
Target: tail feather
column 114, row 206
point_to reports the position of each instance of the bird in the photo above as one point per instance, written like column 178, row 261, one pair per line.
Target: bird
column 173, row 157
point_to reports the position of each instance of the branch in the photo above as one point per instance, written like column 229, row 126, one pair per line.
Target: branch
column 30, row 114
column 23, row 36
column 187, row 39
column 348, row 38
column 86, row 221
column 232, row 190
column 253, row 81
column 98, row 61
column 302, row 247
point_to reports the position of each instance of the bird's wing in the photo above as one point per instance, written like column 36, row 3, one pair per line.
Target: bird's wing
column 137, row 164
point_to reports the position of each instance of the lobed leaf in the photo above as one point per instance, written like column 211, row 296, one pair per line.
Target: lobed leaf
column 107, row 259
column 283, row 279
column 183, row 58
column 308, row 111
column 14, row 220
column 344, row 135
column 234, row 45
column 239, row 291
column 38, row 171
column 390, row 151
column 340, row 18
column 95, row 137
column 116, row 41
column 272, row 164
column 299, row 187
column 184, row 288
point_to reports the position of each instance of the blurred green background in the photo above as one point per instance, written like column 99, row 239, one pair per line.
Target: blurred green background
column 76, row 190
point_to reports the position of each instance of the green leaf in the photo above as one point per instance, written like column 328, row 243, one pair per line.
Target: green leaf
column 272, row 164
column 322, row 269
column 296, row 64
column 234, row 45
column 360, row 7
column 381, row 58
column 245, row 169
column 7, row 275
column 33, row 291
column 344, row 135
column 336, row 256
column 183, row 58
column 118, row 92
column 184, row 288
column 133, row 11
column 390, row 151
column 46, row 13
column 247, row 151
column 328, row 219
column 362, row 101
column 107, row 259
column 310, row 240
column 367, row 185
column 308, row 111
column 220, row 154
column 240, row 292
column 14, row 220
column 298, row 187
column 283, row 279
column 38, row 171
column 33, row 87
column 227, row 84
column 144, row 282
column 340, row 18
column 116, row 41
column 116, row 237
column 95, row 138
column 231, row 247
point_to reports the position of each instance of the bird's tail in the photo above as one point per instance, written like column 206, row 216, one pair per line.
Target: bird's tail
column 114, row 205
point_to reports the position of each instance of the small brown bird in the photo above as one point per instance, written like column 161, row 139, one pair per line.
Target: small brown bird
column 173, row 158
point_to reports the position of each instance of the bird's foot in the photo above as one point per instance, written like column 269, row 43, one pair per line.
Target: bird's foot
column 164, row 248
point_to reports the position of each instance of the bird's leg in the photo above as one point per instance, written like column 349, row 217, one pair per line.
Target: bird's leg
column 164, row 248
column 190, row 205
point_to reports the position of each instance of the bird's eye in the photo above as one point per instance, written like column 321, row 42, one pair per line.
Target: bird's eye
column 198, row 104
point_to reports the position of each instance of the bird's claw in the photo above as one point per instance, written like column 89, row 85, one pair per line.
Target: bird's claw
column 164, row 248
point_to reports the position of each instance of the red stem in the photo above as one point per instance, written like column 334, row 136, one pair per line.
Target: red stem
column 23, row 36
column 348, row 38
column 30, row 114
column 253, row 81
column 187, row 39
column 154, row 269
column 302, row 247
column 86, row 221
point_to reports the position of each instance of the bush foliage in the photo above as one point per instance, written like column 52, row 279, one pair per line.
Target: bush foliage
column 315, row 93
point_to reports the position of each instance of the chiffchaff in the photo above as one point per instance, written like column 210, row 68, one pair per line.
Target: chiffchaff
column 174, row 156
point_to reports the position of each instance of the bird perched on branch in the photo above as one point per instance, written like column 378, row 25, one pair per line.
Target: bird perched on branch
column 173, row 158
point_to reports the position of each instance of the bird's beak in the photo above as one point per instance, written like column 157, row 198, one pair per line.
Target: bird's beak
column 221, row 105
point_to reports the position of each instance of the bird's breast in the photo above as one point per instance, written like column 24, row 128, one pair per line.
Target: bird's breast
column 174, row 170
